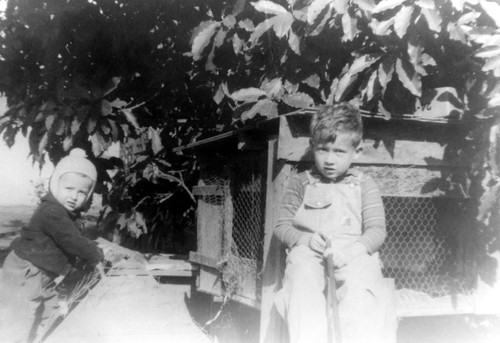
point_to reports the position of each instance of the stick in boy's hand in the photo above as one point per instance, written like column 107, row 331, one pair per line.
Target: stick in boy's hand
column 332, row 309
column 338, row 257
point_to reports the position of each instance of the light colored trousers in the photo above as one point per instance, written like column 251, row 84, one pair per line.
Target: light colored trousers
column 27, row 298
column 361, row 296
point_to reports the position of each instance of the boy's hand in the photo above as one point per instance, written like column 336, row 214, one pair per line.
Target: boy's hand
column 108, row 253
column 340, row 257
column 317, row 243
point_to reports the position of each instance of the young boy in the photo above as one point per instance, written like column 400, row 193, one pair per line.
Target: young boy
column 333, row 202
column 47, row 249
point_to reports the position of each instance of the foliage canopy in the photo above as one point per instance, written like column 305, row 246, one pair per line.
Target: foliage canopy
column 272, row 56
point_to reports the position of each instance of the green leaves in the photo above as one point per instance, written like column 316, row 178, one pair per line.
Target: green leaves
column 490, row 53
column 265, row 107
column 492, row 9
column 202, row 36
column 402, row 20
column 298, row 100
column 409, row 77
column 385, row 5
column 387, row 38
column 315, row 9
column 385, row 72
column 433, row 19
column 248, row 94
column 281, row 22
column 359, row 65
column 264, row 100
column 269, row 7
column 349, row 25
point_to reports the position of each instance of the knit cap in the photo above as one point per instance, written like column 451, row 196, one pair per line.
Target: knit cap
column 75, row 162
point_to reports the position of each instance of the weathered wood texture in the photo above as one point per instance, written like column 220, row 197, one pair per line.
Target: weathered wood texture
column 272, row 328
column 384, row 143
column 210, row 221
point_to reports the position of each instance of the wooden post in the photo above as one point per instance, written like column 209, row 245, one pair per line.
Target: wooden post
column 272, row 328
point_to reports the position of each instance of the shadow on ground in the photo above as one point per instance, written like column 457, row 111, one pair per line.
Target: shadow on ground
column 228, row 323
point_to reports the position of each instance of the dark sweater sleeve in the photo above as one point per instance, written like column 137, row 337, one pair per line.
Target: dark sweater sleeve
column 63, row 230
column 292, row 199
column 374, row 230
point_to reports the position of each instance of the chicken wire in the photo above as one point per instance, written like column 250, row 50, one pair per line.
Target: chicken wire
column 245, row 241
column 422, row 245
column 231, row 222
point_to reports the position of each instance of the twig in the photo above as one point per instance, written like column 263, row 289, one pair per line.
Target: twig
column 226, row 299
column 81, row 288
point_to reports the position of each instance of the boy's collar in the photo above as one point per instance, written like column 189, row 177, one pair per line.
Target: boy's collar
column 319, row 177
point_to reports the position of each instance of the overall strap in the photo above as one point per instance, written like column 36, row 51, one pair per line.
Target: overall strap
column 310, row 178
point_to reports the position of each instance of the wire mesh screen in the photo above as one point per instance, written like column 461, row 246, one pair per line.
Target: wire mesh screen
column 246, row 239
column 231, row 221
column 248, row 218
column 423, row 243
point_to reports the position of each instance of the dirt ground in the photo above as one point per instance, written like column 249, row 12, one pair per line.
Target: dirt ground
column 12, row 218
column 240, row 324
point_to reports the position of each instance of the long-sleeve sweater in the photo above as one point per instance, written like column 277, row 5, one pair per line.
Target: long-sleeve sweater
column 52, row 239
column 372, row 211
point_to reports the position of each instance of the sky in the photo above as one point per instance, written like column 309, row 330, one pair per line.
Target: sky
column 17, row 173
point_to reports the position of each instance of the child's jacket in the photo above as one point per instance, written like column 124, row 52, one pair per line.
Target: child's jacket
column 52, row 239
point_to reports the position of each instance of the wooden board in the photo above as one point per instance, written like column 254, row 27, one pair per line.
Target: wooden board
column 159, row 265
column 416, row 304
column 389, row 144
column 272, row 329
column 208, row 261
column 209, row 281
column 404, row 181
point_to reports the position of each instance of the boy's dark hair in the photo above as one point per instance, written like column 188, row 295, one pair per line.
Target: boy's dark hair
column 333, row 119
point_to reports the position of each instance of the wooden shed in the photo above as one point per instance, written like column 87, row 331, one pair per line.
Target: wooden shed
column 420, row 167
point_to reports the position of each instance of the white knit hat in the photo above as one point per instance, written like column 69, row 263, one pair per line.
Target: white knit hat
column 75, row 162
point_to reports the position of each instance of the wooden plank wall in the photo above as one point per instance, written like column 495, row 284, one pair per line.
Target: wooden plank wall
column 400, row 143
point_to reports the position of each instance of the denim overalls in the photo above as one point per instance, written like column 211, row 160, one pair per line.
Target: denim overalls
column 335, row 210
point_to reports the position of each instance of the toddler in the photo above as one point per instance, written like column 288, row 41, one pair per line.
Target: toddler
column 46, row 250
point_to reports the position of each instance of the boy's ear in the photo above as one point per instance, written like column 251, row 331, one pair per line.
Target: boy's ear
column 311, row 144
column 358, row 151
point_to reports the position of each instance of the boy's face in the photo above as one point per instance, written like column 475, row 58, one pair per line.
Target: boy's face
column 72, row 191
column 333, row 159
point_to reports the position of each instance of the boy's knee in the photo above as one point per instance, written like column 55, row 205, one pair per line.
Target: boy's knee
column 304, row 276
